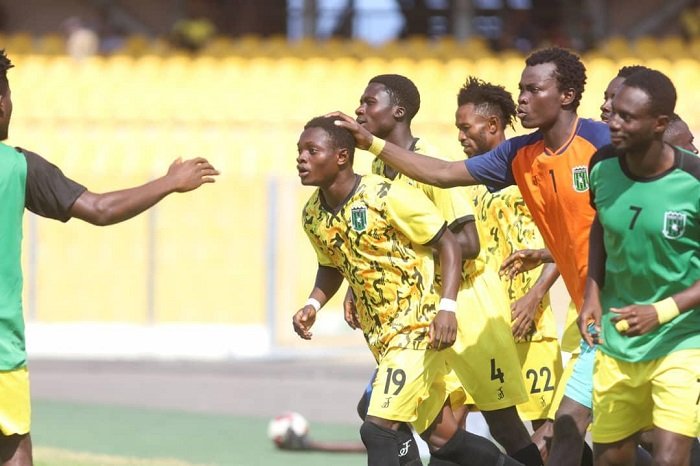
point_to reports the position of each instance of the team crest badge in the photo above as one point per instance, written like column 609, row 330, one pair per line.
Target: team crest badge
column 674, row 225
column 580, row 177
column 359, row 218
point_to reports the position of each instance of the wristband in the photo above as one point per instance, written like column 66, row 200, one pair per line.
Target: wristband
column 313, row 302
column 449, row 305
column 666, row 310
column 377, row 146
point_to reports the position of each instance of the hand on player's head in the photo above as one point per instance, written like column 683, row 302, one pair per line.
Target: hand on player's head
column 191, row 174
column 363, row 138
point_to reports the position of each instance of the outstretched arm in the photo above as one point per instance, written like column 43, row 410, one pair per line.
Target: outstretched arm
column 117, row 206
column 442, row 173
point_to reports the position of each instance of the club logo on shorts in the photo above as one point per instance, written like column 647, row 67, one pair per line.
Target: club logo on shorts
column 387, row 402
column 403, row 451
column 674, row 225
column 580, row 176
column 359, row 218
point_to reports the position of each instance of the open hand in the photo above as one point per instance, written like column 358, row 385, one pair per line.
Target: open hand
column 190, row 174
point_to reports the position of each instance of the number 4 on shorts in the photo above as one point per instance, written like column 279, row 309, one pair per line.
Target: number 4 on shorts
column 496, row 372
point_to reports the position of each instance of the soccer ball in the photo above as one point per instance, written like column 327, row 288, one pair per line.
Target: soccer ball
column 288, row 431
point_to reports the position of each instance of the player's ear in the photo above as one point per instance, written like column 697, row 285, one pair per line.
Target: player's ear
column 494, row 124
column 661, row 124
column 568, row 96
column 343, row 156
column 399, row 112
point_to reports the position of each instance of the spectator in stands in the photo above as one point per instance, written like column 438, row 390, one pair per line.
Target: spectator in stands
column 81, row 41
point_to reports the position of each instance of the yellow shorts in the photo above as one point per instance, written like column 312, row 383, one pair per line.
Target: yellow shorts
column 15, row 409
column 629, row 397
column 409, row 387
column 571, row 337
column 484, row 357
column 561, row 385
column 542, row 369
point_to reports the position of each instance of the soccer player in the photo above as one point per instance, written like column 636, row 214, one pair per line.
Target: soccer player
column 379, row 235
column 488, row 366
column 643, row 288
column 678, row 134
column 28, row 181
column 550, row 166
column 484, row 111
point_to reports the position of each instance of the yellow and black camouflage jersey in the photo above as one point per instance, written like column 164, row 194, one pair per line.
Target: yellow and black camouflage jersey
column 505, row 226
column 377, row 239
column 454, row 204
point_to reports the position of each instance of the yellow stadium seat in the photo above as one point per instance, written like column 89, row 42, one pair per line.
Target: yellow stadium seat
column 51, row 44
column 616, row 47
column 19, row 43
column 647, row 47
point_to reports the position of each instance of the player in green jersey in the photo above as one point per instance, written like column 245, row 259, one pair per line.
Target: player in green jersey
column 28, row 181
column 643, row 286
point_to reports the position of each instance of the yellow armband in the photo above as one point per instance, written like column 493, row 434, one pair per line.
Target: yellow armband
column 666, row 310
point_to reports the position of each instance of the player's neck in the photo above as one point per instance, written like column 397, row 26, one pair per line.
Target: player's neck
column 337, row 192
column 559, row 133
column 401, row 136
column 651, row 161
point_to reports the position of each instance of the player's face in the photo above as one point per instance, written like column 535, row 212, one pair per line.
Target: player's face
column 316, row 158
column 678, row 134
column 473, row 130
column 608, row 95
column 376, row 113
column 5, row 114
column 539, row 101
column 632, row 126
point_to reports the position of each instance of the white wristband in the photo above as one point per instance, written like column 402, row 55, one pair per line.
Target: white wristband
column 449, row 305
column 313, row 302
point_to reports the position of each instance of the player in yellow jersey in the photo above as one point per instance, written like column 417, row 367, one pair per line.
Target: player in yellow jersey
column 484, row 111
column 488, row 366
column 379, row 235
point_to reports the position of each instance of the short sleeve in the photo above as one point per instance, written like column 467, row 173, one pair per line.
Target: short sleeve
column 494, row 168
column 49, row 192
column 410, row 211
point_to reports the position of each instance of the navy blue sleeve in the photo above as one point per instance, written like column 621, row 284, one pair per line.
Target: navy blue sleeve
column 596, row 132
column 494, row 168
column 49, row 192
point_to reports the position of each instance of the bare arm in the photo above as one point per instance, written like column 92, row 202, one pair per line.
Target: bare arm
column 524, row 260
column 117, row 206
column 468, row 239
column 328, row 281
column 443, row 328
column 436, row 172
column 523, row 310
column 591, row 311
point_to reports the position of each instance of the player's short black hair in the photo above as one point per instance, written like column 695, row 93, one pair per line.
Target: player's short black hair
column 5, row 64
column 627, row 71
column 659, row 88
column 402, row 92
column 489, row 98
column 570, row 73
column 341, row 137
